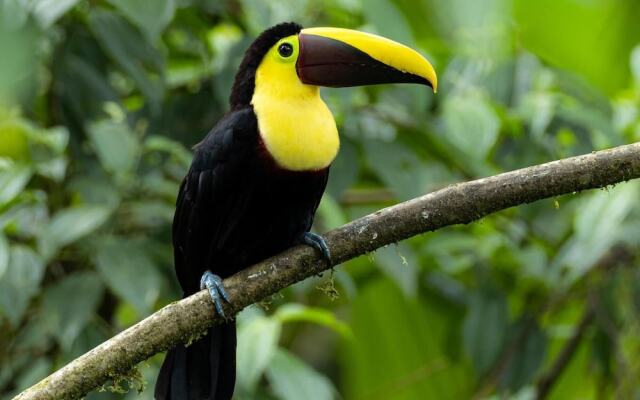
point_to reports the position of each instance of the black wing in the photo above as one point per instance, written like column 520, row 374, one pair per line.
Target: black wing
column 213, row 195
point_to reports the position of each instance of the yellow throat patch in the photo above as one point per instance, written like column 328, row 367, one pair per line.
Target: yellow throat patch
column 296, row 126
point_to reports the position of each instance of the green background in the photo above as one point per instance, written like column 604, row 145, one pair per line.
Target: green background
column 101, row 101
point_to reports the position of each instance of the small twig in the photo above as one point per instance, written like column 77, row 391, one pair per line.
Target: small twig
column 617, row 256
column 511, row 350
column 546, row 382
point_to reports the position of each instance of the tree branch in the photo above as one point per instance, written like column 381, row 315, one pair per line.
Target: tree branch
column 461, row 203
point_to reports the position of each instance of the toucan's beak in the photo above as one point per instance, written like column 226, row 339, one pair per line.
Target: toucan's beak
column 342, row 57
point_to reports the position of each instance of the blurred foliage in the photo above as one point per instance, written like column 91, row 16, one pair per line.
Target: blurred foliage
column 100, row 102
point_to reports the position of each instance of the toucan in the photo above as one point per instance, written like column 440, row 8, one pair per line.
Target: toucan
column 257, row 177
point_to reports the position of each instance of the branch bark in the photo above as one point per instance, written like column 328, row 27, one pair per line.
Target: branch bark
column 456, row 204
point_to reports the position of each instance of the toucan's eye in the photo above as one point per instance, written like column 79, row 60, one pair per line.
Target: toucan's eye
column 285, row 49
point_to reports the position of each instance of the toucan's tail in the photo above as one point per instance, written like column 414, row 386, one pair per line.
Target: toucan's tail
column 206, row 370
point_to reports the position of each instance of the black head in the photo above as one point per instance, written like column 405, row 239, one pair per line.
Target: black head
column 244, row 83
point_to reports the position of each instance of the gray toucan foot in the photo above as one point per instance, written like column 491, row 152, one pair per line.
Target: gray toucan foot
column 317, row 242
column 213, row 284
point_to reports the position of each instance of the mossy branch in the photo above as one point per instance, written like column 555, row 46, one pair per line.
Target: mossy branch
column 456, row 204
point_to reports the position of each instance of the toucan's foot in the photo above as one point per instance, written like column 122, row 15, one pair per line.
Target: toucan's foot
column 213, row 283
column 317, row 242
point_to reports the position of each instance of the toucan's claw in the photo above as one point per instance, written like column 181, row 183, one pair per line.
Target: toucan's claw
column 317, row 242
column 213, row 283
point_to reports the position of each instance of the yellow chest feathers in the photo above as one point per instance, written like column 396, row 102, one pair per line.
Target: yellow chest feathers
column 296, row 126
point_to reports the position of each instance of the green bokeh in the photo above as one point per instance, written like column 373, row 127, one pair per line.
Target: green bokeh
column 100, row 103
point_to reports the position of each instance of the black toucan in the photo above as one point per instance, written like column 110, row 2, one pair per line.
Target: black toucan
column 256, row 179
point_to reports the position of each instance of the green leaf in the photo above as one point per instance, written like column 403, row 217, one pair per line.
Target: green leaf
column 344, row 169
column 297, row 312
column 91, row 336
column 399, row 338
column 4, row 254
column 453, row 251
column 523, row 366
column 597, row 228
column 20, row 282
column 87, row 87
column 54, row 169
column 38, row 370
column 129, row 271
column 34, row 333
column 581, row 22
column 635, row 64
column 19, row 43
column 261, row 14
column 14, row 138
column 149, row 214
column 331, row 213
column 484, row 328
column 96, row 190
column 138, row 58
column 49, row 11
column 150, row 16
column 471, row 124
column 221, row 40
column 56, row 139
column 257, row 343
column 399, row 168
column 116, row 146
column 388, row 21
column 155, row 143
column 571, row 384
column 292, row 379
column 156, row 184
column 13, row 180
column 43, row 148
column 71, row 224
column 26, row 221
column 400, row 264
column 70, row 303
column 538, row 108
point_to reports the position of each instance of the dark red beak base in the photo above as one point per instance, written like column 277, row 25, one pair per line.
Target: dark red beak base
column 328, row 62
